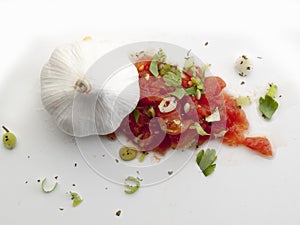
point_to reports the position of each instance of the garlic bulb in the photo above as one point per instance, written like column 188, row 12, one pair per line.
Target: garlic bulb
column 88, row 90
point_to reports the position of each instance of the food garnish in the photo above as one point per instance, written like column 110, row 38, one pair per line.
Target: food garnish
column 131, row 188
column 128, row 153
column 268, row 105
column 243, row 101
column 157, row 58
column 215, row 116
column 205, row 160
column 48, row 190
column 76, row 199
column 9, row 139
column 199, row 129
column 143, row 156
column 189, row 107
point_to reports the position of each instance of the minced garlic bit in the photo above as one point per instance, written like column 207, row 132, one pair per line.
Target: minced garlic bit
column 243, row 66
column 168, row 104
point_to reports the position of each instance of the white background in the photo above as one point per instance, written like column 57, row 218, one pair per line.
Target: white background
column 245, row 189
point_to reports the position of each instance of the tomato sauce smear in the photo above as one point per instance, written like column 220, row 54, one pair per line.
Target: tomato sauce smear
column 153, row 130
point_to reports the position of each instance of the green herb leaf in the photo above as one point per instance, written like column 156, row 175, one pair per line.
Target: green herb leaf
column 205, row 160
column 191, row 90
column 76, row 199
column 189, row 65
column 51, row 189
column 199, row 156
column 209, row 170
column 243, row 101
column 160, row 56
column 272, row 90
column 166, row 68
column 172, row 79
column 178, row 93
column 136, row 114
column 199, row 129
column 267, row 106
column 196, row 81
column 215, row 116
column 143, row 156
column 154, row 66
column 131, row 189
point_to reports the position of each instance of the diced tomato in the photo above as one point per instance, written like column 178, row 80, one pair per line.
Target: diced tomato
column 259, row 144
column 236, row 122
column 171, row 130
column 164, row 145
column 186, row 139
column 154, row 87
column 213, row 86
column 185, row 81
column 233, row 137
column 173, row 124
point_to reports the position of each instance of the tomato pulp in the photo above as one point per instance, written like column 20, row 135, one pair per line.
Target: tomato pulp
column 154, row 130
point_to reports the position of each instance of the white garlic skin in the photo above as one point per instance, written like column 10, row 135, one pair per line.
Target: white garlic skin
column 243, row 66
column 68, row 95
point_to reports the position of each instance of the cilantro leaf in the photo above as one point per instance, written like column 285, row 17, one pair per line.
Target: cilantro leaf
column 199, row 156
column 191, row 90
column 209, row 170
column 272, row 90
column 189, row 65
column 178, row 93
column 172, row 79
column 205, row 161
column 267, row 106
column 166, row 68
column 189, row 62
column 154, row 66
column 160, row 56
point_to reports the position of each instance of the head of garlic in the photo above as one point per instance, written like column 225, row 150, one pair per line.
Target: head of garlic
column 87, row 90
